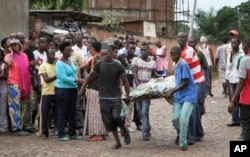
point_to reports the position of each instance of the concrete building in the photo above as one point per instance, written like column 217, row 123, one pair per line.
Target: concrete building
column 132, row 12
column 14, row 17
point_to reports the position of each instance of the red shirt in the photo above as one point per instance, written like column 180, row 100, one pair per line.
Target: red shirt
column 244, row 73
column 190, row 57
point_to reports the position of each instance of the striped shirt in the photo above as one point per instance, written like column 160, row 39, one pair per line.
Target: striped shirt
column 144, row 69
column 190, row 57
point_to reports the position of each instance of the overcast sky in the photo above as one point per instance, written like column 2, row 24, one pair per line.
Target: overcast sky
column 217, row 4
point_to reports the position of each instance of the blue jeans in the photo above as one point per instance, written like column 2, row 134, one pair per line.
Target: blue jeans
column 235, row 111
column 180, row 117
column 143, row 109
column 195, row 129
column 66, row 105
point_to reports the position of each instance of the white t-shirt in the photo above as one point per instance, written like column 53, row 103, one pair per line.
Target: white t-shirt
column 231, row 70
column 82, row 51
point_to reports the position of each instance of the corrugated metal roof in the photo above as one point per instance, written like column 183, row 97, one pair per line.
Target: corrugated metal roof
column 66, row 14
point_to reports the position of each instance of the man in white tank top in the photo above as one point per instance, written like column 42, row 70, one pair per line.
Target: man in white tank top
column 207, row 51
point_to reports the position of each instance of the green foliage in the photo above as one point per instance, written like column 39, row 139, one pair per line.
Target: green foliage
column 41, row 5
column 110, row 20
column 206, row 22
column 226, row 20
column 216, row 24
column 244, row 16
column 74, row 5
column 182, row 27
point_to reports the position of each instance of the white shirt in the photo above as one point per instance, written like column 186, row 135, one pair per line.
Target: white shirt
column 82, row 51
column 226, row 54
column 124, row 50
column 40, row 58
column 231, row 69
column 58, row 54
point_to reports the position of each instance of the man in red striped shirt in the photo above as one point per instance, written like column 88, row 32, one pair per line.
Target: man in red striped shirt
column 189, row 55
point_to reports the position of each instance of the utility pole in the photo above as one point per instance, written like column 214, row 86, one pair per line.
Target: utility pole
column 192, row 20
column 239, row 17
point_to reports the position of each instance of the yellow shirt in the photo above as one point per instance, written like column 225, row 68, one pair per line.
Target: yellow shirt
column 48, row 88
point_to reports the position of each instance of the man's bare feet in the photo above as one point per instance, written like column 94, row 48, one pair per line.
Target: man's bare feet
column 116, row 146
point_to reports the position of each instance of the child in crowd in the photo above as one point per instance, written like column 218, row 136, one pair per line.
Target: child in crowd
column 48, row 72
column 184, row 97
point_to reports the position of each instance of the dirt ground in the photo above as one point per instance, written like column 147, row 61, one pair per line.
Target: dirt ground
column 214, row 144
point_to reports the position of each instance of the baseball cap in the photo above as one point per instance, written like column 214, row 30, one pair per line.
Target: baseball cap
column 14, row 41
column 233, row 32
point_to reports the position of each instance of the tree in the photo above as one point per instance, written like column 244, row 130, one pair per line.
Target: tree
column 74, row 5
column 206, row 22
column 227, row 19
column 243, row 11
column 216, row 24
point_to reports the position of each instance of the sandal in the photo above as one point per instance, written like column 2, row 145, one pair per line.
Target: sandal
column 116, row 146
column 183, row 148
column 95, row 138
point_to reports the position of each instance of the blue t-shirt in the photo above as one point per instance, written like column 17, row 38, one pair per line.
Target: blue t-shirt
column 65, row 75
column 188, row 94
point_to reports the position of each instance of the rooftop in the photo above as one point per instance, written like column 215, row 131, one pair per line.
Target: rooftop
column 66, row 14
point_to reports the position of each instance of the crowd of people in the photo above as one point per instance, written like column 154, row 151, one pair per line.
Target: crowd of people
column 73, row 84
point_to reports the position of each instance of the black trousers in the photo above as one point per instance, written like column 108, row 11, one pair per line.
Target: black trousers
column 245, row 121
column 48, row 103
column 110, row 111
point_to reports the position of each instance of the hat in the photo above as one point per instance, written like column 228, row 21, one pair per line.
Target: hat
column 14, row 41
column 233, row 32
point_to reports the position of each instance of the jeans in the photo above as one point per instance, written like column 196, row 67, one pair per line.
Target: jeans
column 66, row 104
column 180, row 117
column 235, row 111
column 195, row 129
column 137, row 118
column 200, row 109
column 143, row 109
column 3, row 112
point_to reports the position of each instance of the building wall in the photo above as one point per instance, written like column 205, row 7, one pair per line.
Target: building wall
column 135, row 26
column 160, row 10
column 14, row 17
